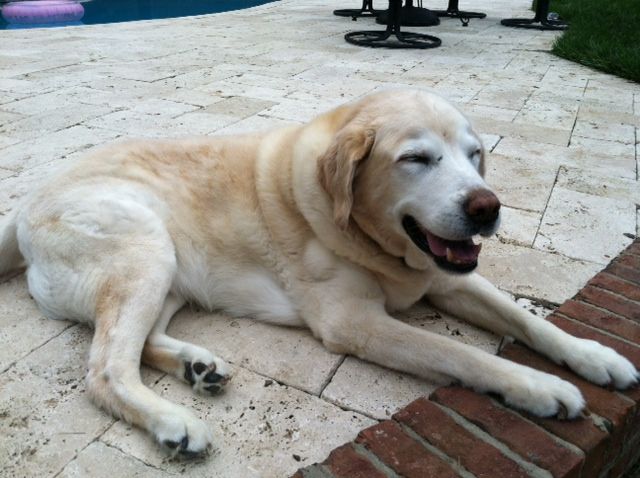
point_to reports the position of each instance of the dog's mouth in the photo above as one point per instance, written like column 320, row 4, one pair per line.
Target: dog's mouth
column 455, row 256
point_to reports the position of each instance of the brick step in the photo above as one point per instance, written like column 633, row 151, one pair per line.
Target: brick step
column 457, row 432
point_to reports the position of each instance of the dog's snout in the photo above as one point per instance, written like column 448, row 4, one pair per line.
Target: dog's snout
column 482, row 206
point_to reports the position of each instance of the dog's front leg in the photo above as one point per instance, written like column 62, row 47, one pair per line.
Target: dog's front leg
column 473, row 298
column 361, row 327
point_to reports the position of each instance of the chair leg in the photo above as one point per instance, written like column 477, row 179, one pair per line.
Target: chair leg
column 541, row 20
column 367, row 10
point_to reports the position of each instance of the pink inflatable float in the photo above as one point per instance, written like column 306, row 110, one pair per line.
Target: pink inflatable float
column 42, row 12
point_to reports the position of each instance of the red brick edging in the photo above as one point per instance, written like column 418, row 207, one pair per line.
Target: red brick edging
column 459, row 432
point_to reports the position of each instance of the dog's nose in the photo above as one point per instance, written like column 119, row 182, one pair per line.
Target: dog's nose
column 482, row 207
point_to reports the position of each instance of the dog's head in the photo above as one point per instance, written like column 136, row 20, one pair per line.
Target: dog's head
column 408, row 169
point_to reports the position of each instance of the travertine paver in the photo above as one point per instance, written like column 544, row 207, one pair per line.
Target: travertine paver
column 120, row 464
column 533, row 273
column 518, row 226
column 260, row 429
column 286, row 354
column 23, row 326
column 379, row 392
column 574, row 219
column 559, row 134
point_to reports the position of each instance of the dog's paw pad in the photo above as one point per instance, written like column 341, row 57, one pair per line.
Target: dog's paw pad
column 183, row 435
column 207, row 379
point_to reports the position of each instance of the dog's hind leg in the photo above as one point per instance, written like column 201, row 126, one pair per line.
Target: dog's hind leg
column 109, row 259
column 127, row 307
column 205, row 372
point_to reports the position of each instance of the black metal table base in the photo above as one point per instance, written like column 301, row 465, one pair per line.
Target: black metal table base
column 392, row 37
column 453, row 11
column 367, row 10
column 384, row 39
column 411, row 16
column 539, row 22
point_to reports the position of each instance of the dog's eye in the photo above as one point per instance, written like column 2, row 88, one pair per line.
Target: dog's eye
column 418, row 158
column 475, row 153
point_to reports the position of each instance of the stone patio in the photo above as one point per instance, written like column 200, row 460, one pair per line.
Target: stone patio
column 564, row 144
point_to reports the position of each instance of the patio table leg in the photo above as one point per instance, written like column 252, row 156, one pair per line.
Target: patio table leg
column 539, row 22
column 411, row 16
column 382, row 39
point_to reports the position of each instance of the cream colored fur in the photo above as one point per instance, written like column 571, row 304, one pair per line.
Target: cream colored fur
column 299, row 226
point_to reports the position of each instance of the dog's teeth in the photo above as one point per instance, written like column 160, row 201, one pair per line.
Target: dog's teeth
column 450, row 256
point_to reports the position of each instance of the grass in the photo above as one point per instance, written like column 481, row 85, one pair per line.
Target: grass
column 603, row 34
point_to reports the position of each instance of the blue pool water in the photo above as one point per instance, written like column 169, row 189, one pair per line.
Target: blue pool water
column 57, row 13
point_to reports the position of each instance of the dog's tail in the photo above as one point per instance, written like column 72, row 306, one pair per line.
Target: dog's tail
column 10, row 256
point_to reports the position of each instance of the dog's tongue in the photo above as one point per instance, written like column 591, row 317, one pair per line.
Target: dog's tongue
column 457, row 252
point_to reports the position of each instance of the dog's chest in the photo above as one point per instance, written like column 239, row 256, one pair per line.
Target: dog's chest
column 401, row 296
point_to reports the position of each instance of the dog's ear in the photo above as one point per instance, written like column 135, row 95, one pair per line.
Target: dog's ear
column 337, row 168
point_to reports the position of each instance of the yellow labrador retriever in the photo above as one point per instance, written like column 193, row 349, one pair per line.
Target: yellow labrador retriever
column 331, row 225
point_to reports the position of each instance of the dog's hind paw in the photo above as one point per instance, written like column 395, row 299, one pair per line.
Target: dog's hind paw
column 183, row 435
column 207, row 376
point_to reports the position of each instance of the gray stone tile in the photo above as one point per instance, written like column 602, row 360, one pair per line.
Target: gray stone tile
column 89, row 461
column 7, row 141
column 590, row 182
column 5, row 173
column 379, row 392
column 255, row 123
column 289, row 355
column 586, row 227
column 258, row 426
column 53, row 146
column 16, row 186
column 533, row 273
column 23, row 328
column 623, row 133
column 373, row 390
column 48, row 122
column 520, row 183
column 161, row 107
column 239, row 107
column 484, row 111
column 502, row 96
column 518, row 227
column 541, row 112
column 135, row 124
column 46, row 416
column 606, row 158
column 490, row 141
column 523, row 131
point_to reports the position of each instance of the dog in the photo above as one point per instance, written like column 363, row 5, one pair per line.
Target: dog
column 331, row 225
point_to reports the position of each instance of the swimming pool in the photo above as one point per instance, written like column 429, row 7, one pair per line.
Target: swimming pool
column 57, row 13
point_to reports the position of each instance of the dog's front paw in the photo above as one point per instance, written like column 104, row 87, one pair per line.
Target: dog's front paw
column 545, row 395
column 207, row 375
column 182, row 434
column 601, row 365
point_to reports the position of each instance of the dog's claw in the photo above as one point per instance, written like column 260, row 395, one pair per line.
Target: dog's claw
column 563, row 413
